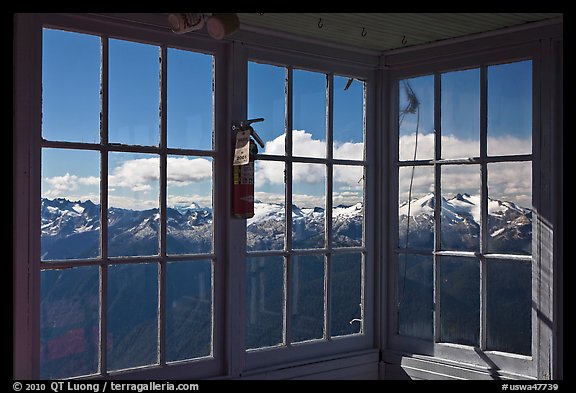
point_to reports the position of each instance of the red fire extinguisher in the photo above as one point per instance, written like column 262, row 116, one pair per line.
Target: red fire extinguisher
column 243, row 168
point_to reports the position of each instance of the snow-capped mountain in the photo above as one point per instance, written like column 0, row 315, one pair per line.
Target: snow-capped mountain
column 509, row 225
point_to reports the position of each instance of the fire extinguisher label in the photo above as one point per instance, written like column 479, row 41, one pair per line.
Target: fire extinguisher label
column 242, row 150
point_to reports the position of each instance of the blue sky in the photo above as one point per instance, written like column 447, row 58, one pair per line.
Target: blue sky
column 71, row 112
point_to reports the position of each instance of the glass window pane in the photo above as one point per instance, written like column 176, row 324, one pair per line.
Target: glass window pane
column 189, row 202
column 309, row 114
column 308, row 204
column 460, row 300
column 69, row 322
column 510, row 208
column 461, row 114
column 460, row 218
column 70, row 207
column 132, row 315
column 509, row 309
column 190, row 100
column 510, row 108
column 348, row 124
column 133, row 219
column 134, row 93
column 307, row 300
column 70, row 86
column 267, row 99
column 264, row 302
column 416, row 118
column 347, row 206
column 416, row 296
column 188, row 310
column 266, row 230
column 346, row 294
column 416, row 219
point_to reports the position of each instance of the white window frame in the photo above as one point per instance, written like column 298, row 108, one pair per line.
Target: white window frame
column 290, row 352
column 458, row 57
column 201, row 367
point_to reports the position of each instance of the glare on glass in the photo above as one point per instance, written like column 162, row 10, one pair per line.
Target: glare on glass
column 460, row 300
column 188, row 310
column 132, row 315
column 416, row 296
column 266, row 230
column 348, row 119
column 264, row 324
column 190, row 100
column 70, row 86
column 134, row 93
column 416, row 207
column 347, row 205
column 346, row 294
column 307, row 297
column 510, row 208
column 267, row 99
column 416, row 118
column 189, row 200
column 70, row 204
column 510, row 108
column 461, row 114
column 460, row 216
column 69, row 322
column 308, row 200
column 133, row 195
column 309, row 114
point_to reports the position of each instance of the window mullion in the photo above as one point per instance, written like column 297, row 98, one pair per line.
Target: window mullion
column 328, row 204
column 483, row 202
column 162, row 206
column 288, row 202
column 104, row 79
column 437, row 203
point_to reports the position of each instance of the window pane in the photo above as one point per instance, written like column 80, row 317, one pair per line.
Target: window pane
column 461, row 114
column 416, row 296
column 416, row 118
column 266, row 230
column 510, row 108
column 70, row 86
column 267, row 99
column 70, row 208
column 134, row 93
column 348, row 124
column 459, row 300
column 132, row 315
column 509, row 296
column 346, row 294
column 460, row 218
column 309, row 114
column 69, row 322
column 190, row 100
column 510, row 208
column 307, row 300
column 188, row 310
column 347, row 206
column 133, row 219
column 308, row 188
column 264, row 302
column 189, row 201
column 416, row 219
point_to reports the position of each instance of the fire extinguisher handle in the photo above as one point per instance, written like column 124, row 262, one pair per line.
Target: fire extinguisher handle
column 256, row 137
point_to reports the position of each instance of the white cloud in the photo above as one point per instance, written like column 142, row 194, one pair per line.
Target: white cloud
column 507, row 181
column 143, row 173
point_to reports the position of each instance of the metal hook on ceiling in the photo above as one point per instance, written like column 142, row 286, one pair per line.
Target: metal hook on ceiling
column 363, row 34
column 320, row 24
column 404, row 41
